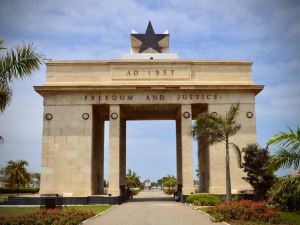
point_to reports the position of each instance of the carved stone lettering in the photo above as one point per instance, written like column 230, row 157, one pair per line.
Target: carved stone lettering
column 180, row 73
column 190, row 97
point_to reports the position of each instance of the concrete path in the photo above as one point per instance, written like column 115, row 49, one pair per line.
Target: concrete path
column 152, row 208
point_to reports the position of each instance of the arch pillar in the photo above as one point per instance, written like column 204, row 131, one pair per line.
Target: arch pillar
column 203, row 167
column 187, row 150
column 123, row 155
column 114, row 150
column 178, row 153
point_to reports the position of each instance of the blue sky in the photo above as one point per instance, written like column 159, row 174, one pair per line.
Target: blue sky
column 265, row 32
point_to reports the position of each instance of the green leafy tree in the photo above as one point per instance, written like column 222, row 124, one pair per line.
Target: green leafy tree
column 16, row 174
column 132, row 180
column 218, row 128
column 256, row 166
column 169, row 181
column 288, row 154
column 160, row 182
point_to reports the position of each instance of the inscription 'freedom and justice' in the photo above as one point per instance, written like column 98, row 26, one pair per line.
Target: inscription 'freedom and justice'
column 151, row 97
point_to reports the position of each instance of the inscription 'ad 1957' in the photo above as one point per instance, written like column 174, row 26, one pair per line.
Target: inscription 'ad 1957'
column 181, row 73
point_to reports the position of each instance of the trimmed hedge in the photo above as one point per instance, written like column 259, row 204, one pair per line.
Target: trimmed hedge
column 48, row 217
column 203, row 199
column 16, row 190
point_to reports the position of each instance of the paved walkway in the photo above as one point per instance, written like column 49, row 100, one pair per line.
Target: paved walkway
column 152, row 208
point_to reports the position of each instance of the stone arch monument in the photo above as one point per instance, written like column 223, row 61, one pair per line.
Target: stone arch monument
column 148, row 83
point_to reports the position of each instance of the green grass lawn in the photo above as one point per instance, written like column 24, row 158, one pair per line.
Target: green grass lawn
column 94, row 208
column 204, row 209
column 15, row 211
column 290, row 217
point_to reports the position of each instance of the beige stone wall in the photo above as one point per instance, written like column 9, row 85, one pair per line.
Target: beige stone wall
column 187, row 151
column 162, row 72
column 66, row 152
column 66, row 157
column 70, row 160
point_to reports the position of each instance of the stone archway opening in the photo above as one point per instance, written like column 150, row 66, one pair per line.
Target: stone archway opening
column 151, row 151
column 127, row 113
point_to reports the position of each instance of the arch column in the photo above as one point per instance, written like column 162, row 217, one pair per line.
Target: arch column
column 178, row 153
column 203, row 161
column 187, row 150
column 98, row 153
column 123, row 155
column 114, row 150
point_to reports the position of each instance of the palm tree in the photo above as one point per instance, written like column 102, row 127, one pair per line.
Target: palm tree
column 16, row 63
column 288, row 153
column 169, row 181
column 132, row 180
column 218, row 128
column 16, row 174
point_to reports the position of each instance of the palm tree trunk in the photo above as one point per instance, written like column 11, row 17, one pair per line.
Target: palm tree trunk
column 228, row 179
column 199, row 166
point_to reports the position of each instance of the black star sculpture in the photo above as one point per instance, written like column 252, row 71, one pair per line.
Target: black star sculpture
column 150, row 39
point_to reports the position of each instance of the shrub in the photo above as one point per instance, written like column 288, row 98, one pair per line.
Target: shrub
column 20, row 190
column 244, row 210
column 135, row 191
column 203, row 199
column 259, row 176
column 47, row 217
column 169, row 191
column 286, row 193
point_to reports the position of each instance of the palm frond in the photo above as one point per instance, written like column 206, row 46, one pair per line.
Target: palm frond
column 286, row 140
column 1, row 44
column 231, row 114
column 5, row 97
column 205, row 123
column 19, row 63
column 285, row 158
column 208, row 126
column 234, row 128
column 283, row 187
column 289, row 153
column 238, row 153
